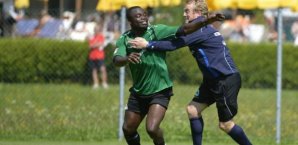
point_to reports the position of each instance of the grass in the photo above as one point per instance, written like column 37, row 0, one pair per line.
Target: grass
column 51, row 114
column 90, row 143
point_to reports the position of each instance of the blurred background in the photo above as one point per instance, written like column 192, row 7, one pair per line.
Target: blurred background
column 49, row 92
column 247, row 21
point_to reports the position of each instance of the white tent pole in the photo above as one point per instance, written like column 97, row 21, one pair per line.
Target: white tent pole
column 122, row 80
column 279, row 76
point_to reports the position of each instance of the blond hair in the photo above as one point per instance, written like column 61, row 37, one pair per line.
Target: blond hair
column 199, row 6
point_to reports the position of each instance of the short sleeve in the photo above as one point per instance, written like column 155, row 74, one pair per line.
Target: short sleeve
column 120, row 47
column 165, row 32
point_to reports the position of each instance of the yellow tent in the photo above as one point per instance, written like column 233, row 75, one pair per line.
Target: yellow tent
column 221, row 4
column 141, row 3
column 109, row 5
column 247, row 4
column 153, row 3
column 289, row 3
column 21, row 4
column 176, row 2
column 267, row 4
column 252, row 4
column 112, row 5
column 296, row 7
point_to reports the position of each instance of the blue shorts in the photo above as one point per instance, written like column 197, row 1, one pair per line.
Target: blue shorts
column 141, row 103
column 95, row 63
column 222, row 91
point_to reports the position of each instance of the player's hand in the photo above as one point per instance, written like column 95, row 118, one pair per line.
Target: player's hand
column 217, row 17
column 134, row 57
column 138, row 43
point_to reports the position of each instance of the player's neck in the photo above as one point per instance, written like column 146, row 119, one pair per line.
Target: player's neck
column 138, row 31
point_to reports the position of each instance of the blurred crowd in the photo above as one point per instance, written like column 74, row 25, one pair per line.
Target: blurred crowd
column 245, row 26
column 240, row 26
column 67, row 27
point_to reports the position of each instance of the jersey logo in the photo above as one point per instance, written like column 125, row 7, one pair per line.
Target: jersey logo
column 217, row 34
column 224, row 43
column 116, row 50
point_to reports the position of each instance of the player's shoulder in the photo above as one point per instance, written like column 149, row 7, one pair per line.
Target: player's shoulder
column 158, row 26
column 122, row 36
column 125, row 34
column 163, row 27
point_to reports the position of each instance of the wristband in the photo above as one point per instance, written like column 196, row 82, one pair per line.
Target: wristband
column 150, row 45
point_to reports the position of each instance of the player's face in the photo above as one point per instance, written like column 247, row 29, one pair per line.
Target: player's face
column 138, row 18
column 189, row 12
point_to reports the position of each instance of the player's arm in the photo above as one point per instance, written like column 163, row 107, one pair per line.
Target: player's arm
column 120, row 60
column 123, row 60
column 192, row 27
column 170, row 45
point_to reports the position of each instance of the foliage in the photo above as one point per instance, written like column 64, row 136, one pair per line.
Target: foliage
column 41, row 60
column 256, row 62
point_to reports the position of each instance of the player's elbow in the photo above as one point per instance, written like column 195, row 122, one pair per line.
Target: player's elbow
column 119, row 61
column 188, row 28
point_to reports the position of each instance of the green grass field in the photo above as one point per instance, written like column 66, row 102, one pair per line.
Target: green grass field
column 92, row 143
column 48, row 114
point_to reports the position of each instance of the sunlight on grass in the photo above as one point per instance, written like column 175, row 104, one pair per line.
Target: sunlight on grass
column 77, row 113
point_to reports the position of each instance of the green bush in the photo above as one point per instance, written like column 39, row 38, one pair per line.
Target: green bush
column 41, row 60
column 256, row 62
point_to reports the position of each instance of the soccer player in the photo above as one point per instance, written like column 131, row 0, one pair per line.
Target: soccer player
column 152, row 88
column 221, row 78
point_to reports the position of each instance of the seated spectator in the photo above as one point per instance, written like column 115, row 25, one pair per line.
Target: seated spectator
column 43, row 19
column 67, row 22
column 51, row 29
column 26, row 27
column 79, row 33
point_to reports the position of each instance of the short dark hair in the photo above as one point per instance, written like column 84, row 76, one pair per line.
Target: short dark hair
column 129, row 11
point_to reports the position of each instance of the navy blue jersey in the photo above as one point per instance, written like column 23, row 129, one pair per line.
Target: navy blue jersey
column 207, row 47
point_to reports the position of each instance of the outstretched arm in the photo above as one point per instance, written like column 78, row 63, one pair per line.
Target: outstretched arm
column 192, row 27
column 141, row 43
column 180, row 41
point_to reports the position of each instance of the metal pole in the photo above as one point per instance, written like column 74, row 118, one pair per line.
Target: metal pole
column 46, row 5
column 122, row 80
column 61, row 8
column 78, row 8
column 279, row 76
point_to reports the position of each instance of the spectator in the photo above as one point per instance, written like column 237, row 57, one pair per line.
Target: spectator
column 44, row 17
column 96, row 57
column 294, row 31
column 9, row 17
column 270, row 18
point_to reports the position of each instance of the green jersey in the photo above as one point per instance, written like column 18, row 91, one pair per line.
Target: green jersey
column 151, row 75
